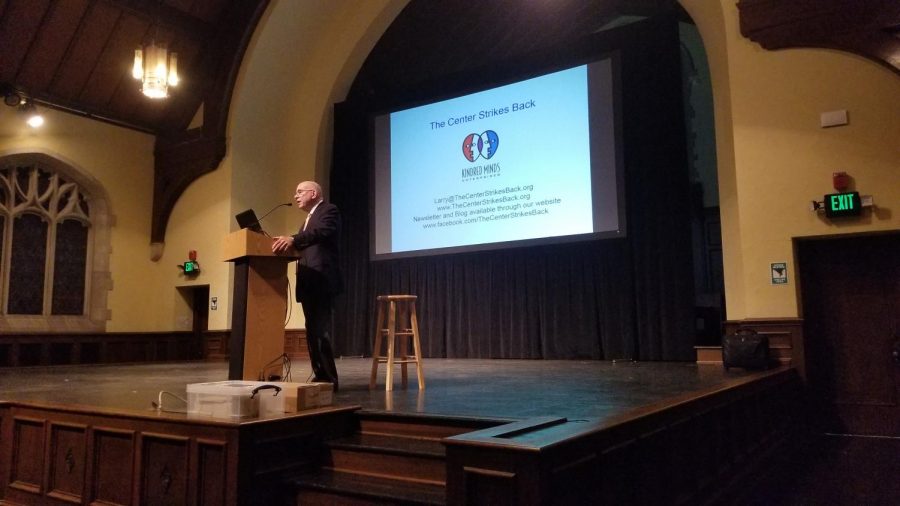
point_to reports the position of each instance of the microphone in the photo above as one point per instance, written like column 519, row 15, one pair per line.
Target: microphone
column 286, row 204
column 255, row 224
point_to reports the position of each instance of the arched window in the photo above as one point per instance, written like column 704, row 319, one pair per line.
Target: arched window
column 54, row 243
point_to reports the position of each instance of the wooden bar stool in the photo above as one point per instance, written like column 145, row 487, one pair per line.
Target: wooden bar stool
column 398, row 312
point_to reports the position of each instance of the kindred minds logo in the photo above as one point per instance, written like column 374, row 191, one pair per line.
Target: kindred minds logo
column 480, row 146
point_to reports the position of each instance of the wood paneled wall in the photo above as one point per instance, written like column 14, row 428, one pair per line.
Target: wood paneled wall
column 18, row 350
column 59, row 455
column 691, row 450
column 97, row 348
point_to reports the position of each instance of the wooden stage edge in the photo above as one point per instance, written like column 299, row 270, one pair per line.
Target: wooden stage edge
column 690, row 448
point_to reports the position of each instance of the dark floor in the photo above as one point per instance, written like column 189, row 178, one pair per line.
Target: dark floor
column 462, row 387
column 833, row 470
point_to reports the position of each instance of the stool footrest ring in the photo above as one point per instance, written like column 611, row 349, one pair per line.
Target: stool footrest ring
column 399, row 361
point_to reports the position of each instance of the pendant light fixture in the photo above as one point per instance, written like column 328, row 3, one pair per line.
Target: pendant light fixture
column 155, row 66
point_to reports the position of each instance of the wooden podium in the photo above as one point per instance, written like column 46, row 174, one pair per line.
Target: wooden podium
column 258, row 303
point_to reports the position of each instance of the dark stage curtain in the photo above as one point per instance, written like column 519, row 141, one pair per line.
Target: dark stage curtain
column 621, row 298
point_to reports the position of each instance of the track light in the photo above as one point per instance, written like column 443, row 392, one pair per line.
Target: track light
column 13, row 99
column 11, row 96
column 25, row 105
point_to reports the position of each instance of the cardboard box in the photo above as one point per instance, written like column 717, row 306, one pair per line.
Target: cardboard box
column 307, row 396
column 326, row 393
column 299, row 396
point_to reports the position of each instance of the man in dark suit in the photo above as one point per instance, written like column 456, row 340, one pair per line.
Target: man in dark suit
column 318, row 273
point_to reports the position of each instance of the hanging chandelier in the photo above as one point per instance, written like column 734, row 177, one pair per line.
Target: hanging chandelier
column 156, row 68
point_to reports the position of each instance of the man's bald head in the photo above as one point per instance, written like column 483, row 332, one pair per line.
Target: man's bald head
column 308, row 194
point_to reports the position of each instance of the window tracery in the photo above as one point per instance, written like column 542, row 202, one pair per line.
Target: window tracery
column 48, row 255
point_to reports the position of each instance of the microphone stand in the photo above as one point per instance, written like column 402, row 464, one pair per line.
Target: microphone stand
column 286, row 204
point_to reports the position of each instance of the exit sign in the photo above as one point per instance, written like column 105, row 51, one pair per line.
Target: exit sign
column 842, row 204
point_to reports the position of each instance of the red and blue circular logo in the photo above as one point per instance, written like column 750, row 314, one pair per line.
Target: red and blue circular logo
column 476, row 146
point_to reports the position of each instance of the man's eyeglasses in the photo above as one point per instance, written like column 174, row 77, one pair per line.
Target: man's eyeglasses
column 298, row 192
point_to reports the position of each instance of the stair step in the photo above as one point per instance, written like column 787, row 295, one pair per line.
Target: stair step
column 422, row 427
column 399, row 467
column 395, row 457
column 396, row 445
column 337, row 488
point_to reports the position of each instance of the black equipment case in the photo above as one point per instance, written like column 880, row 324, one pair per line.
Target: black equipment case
column 746, row 349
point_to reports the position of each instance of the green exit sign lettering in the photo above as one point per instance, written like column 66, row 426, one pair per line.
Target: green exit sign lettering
column 842, row 204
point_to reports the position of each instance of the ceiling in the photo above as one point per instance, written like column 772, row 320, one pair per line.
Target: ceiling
column 76, row 55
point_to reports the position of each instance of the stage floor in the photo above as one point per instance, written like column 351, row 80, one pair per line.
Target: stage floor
column 499, row 389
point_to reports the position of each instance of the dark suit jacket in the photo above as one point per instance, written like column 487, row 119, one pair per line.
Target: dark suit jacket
column 318, row 271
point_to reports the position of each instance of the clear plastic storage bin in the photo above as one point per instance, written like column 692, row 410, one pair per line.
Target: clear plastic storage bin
column 224, row 399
